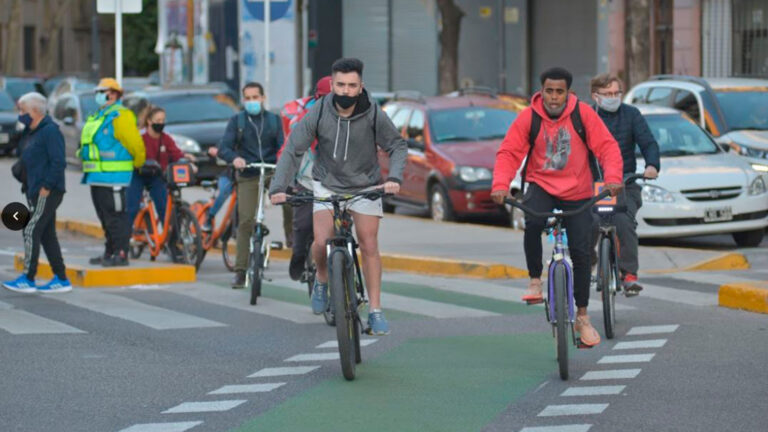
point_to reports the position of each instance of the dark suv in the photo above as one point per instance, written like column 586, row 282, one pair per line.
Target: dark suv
column 452, row 144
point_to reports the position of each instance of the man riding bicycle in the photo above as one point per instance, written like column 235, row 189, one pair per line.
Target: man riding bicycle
column 559, row 175
column 348, row 125
column 630, row 130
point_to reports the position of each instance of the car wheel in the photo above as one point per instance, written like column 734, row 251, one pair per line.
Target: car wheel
column 517, row 216
column 440, row 208
column 751, row 238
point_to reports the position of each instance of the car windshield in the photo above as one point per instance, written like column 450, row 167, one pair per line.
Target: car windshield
column 470, row 124
column 6, row 103
column 193, row 108
column 88, row 104
column 18, row 88
column 678, row 136
column 745, row 109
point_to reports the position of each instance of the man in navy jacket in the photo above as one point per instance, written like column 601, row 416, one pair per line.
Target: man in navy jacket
column 44, row 163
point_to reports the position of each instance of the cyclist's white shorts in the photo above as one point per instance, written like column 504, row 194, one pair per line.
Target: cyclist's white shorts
column 360, row 206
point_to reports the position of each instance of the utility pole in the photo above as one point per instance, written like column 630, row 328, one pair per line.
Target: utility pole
column 190, row 39
column 299, row 34
column 267, row 57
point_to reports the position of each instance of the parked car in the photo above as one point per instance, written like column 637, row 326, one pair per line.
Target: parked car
column 701, row 188
column 68, row 85
column 195, row 117
column 19, row 86
column 452, row 144
column 733, row 110
column 10, row 128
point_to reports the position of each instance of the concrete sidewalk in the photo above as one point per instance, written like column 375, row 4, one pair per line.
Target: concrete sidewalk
column 415, row 244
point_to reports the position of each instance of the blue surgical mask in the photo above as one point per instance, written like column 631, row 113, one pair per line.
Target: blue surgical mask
column 101, row 99
column 253, row 107
column 25, row 119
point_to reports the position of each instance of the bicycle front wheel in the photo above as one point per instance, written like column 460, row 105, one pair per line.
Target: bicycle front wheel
column 255, row 266
column 188, row 242
column 561, row 313
column 343, row 297
column 607, row 284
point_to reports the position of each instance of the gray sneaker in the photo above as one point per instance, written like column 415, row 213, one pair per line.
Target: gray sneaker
column 319, row 298
column 378, row 324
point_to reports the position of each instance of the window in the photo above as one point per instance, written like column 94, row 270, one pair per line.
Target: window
column 60, row 111
column 660, row 96
column 71, row 109
column 639, row 96
column 470, row 124
column 745, row 108
column 686, row 101
column 678, row 136
column 401, row 117
column 390, row 109
column 415, row 129
column 663, row 19
column 29, row 48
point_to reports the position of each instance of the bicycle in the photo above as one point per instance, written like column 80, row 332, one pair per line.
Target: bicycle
column 225, row 230
column 559, row 305
column 608, row 278
column 345, row 280
column 259, row 249
column 179, row 234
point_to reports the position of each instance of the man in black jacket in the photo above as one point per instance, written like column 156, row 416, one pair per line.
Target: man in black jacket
column 44, row 164
column 630, row 129
column 253, row 135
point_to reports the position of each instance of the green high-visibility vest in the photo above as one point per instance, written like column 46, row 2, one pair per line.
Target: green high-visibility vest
column 94, row 164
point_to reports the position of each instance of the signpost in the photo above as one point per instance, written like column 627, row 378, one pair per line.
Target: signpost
column 118, row 7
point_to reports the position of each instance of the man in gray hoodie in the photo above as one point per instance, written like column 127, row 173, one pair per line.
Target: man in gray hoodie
column 348, row 126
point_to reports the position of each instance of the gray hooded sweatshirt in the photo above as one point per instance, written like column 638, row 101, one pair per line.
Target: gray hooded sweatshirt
column 346, row 159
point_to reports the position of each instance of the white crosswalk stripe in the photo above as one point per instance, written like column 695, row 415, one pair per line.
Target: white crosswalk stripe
column 573, row 409
column 610, row 374
column 641, row 344
column 561, row 428
column 335, row 344
column 283, row 371
column 593, row 391
column 649, row 330
column 163, row 427
column 247, row 388
column 314, row 357
column 629, row 358
column 200, row 407
column 19, row 322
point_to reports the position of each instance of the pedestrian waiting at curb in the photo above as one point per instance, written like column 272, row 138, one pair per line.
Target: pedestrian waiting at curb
column 44, row 163
column 111, row 147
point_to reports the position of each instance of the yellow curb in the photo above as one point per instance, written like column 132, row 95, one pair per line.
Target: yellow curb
column 90, row 229
column 726, row 261
column 117, row 277
column 752, row 297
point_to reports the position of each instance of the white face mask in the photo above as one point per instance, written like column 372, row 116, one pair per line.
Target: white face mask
column 611, row 104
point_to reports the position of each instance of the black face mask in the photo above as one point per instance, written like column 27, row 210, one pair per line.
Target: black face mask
column 158, row 127
column 345, row 101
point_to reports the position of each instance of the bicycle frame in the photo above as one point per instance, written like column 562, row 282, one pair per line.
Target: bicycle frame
column 344, row 241
column 209, row 239
column 154, row 239
column 559, row 257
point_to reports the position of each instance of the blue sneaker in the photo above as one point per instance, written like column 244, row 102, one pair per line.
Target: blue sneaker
column 56, row 285
column 319, row 298
column 21, row 284
column 378, row 324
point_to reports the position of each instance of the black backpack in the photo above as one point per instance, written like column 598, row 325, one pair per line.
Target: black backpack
column 578, row 125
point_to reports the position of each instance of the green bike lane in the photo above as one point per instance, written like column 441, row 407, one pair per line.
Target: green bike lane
column 458, row 379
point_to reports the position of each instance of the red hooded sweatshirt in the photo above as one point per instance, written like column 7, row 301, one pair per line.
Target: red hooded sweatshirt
column 559, row 162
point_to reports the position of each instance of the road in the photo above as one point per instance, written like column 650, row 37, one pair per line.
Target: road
column 464, row 355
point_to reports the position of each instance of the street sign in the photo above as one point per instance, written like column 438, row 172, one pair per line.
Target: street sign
column 128, row 6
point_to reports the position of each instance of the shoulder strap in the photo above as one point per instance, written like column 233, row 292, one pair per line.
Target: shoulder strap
column 532, row 134
column 240, row 129
column 375, row 119
column 578, row 125
column 321, row 101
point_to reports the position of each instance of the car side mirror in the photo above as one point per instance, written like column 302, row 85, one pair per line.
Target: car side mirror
column 69, row 121
column 416, row 145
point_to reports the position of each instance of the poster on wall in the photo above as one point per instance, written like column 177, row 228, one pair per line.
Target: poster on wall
column 282, row 52
column 172, row 41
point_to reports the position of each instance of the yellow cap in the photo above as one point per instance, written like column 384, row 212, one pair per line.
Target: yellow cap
column 109, row 84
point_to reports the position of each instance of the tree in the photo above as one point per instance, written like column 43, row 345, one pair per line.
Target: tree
column 637, row 41
column 139, row 38
column 448, row 65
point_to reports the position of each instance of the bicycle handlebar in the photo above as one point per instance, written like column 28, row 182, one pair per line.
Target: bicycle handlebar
column 372, row 195
column 260, row 165
column 586, row 205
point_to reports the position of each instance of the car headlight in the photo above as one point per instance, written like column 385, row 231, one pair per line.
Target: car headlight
column 757, row 187
column 656, row 194
column 748, row 151
column 472, row 174
column 760, row 168
column 186, row 144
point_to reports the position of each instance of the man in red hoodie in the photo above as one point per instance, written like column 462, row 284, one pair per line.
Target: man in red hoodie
column 559, row 176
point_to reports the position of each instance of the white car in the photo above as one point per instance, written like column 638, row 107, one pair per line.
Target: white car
column 701, row 189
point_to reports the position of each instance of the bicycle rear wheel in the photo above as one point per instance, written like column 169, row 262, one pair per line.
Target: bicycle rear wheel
column 343, row 298
column 561, row 314
column 188, row 241
column 229, row 246
column 606, row 283
column 255, row 266
column 140, row 241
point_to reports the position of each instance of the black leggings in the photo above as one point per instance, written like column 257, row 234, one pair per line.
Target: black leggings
column 578, row 228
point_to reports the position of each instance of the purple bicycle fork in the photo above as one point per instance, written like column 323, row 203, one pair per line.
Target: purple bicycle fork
column 559, row 258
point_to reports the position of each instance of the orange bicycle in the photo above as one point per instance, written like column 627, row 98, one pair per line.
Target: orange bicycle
column 224, row 229
column 179, row 235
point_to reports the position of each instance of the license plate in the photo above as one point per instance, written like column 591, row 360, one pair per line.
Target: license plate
column 719, row 214
column 4, row 138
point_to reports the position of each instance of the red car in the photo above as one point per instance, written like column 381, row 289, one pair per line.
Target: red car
column 452, row 143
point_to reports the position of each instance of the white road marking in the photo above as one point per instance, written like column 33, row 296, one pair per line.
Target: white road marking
column 610, row 374
column 650, row 343
column 563, row 428
column 688, row 297
column 335, row 344
column 648, row 330
column 629, row 358
column 575, row 409
column 141, row 313
column 593, row 391
column 247, row 388
column 16, row 321
column 314, row 357
column 283, row 371
column 709, row 278
column 198, row 407
column 163, row 427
